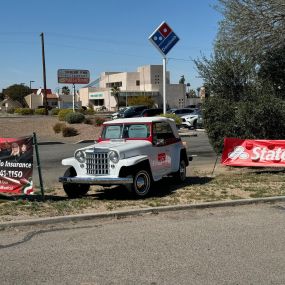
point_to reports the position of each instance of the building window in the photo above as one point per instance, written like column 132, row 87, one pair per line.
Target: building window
column 156, row 79
column 137, row 83
column 99, row 102
column 114, row 84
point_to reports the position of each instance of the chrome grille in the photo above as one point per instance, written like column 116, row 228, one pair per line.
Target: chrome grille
column 97, row 163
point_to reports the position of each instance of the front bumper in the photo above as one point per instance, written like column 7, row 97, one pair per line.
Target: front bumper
column 96, row 180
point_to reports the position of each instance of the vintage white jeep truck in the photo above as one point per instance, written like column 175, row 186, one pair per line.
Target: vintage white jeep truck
column 133, row 152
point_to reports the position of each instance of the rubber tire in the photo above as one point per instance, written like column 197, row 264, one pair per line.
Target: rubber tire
column 180, row 175
column 145, row 177
column 74, row 190
column 195, row 125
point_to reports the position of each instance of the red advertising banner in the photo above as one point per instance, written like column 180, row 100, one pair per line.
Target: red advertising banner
column 16, row 165
column 266, row 153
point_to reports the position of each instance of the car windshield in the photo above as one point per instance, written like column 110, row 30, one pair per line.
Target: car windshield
column 126, row 131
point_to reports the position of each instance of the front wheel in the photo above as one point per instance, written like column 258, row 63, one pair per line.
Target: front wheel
column 142, row 183
column 74, row 190
column 180, row 175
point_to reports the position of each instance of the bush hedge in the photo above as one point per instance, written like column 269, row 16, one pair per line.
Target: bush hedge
column 54, row 112
column 62, row 114
column 24, row 111
column 69, row 132
column 74, row 118
column 58, row 127
column 40, row 111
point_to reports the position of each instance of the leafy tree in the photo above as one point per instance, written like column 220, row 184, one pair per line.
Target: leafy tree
column 219, row 121
column 226, row 74
column 115, row 91
column 245, row 77
column 17, row 92
column 272, row 70
column 191, row 93
column 2, row 96
column 262, row 118
column 65, row 90
column 242, row 105
column 182, row 79
column 252, row 26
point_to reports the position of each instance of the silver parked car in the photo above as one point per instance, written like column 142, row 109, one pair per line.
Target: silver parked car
column 183, row 111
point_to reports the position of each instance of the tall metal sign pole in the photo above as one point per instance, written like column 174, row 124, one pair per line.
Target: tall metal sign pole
column 44, row 74
column 163, row 38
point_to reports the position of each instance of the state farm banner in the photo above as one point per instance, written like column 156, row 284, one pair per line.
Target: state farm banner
column 16, row 165
column 266, row 153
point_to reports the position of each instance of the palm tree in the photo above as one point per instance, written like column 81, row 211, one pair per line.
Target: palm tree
column 65, row 90
column 115, row 91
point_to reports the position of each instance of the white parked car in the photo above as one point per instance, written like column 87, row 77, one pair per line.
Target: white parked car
column 133, row 152
column 191, row 120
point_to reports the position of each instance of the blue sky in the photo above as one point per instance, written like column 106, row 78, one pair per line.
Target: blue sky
column 100, row 36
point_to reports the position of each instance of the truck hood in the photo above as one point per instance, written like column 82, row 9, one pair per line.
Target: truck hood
column 125, row 148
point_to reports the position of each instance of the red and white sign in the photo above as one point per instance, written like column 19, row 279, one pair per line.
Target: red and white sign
column 266, row 153
column 16, row 165
column 73, row 76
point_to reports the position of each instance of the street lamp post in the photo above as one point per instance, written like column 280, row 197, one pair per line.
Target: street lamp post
column 31, row 83
column 31, row 101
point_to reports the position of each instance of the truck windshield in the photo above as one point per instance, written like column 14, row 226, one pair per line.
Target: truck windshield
column 127, row 131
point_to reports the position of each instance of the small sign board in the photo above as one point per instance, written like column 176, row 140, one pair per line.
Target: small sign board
column 73, row 76
column 163, row 38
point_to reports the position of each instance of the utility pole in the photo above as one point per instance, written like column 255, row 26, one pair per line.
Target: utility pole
column 44, row 74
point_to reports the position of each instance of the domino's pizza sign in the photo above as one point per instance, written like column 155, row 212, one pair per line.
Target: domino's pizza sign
column 163, row 38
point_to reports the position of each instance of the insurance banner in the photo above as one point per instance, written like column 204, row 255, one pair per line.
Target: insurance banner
column 261, row 153
column 16, row 165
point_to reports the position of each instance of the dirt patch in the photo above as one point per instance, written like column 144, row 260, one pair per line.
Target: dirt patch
column 43, row 127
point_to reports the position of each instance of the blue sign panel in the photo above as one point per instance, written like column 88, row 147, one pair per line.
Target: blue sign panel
column 163, row 38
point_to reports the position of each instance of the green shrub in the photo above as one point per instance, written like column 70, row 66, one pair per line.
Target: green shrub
column 62, row 114
column 99, row 121
column 40, row 111
column 24, row 111
column 55, row 112
column 74, row 118
column 176, row 118
column 58, row 127
column 69, row 132
column 11, row 110
column 86, row 111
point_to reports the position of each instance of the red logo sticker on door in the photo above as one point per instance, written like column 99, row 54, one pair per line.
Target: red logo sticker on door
column 161, row 157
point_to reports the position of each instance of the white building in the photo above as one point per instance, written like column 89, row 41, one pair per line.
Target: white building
column 146, row 81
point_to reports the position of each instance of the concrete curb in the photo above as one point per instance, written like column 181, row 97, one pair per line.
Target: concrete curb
column 139, row 212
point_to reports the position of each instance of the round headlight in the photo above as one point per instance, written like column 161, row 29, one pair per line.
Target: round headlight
column 80, row 156
column 114, row 156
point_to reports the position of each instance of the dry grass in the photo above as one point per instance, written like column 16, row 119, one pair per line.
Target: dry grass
column 197, row 189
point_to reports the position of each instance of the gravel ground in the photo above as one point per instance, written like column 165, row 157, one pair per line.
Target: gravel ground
column 13, row 127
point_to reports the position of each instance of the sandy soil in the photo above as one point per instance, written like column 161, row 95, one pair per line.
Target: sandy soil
column 43, row 127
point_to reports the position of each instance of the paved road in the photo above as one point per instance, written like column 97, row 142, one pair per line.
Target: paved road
column 51, row 156
column 237, row 245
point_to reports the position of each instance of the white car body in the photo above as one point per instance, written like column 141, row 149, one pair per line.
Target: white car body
column 118, row 157
column 189, row 120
